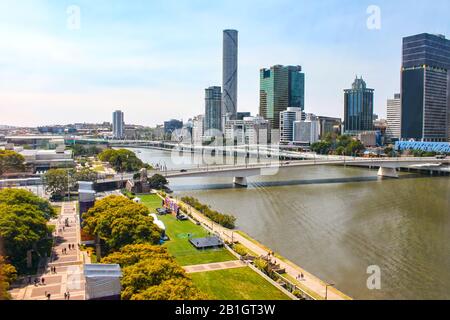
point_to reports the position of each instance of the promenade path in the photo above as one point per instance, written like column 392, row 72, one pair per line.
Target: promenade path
column 214, row 266
column 68, row 264
column 310, row 282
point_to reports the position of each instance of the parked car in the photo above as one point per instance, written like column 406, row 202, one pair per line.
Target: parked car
column 441, row 156
column 182, row 217
column 183, row 170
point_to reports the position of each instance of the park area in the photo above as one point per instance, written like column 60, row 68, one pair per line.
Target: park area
column 227, row 284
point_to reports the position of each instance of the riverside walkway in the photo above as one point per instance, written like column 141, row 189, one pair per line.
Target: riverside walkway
column 309, row 282
column 68, row 263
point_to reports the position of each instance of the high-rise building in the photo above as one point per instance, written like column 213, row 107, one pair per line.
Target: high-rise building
column 281, row 87
column 358, row 108
column 213, row 110
column 425, row 88
column 230, row 74
column 287, row 118
column 197, row 129
column 249, row 130
column 306, row 132
column 394, row 118
column 329, row 125
column 118, row 125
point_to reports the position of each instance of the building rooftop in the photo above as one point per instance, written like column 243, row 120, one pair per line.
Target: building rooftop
column 102, row 270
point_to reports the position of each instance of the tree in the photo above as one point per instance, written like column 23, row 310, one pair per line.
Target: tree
column 8, row 275
column 147, row 273
column 172, row 289
column 85, row 174
column 118, row 221
column 58, row 181
column 133, row 253
column 23, row 226
column 354, row 147
column 11, row 162
column 321, row 147
column 157, row 181
column 122, row 160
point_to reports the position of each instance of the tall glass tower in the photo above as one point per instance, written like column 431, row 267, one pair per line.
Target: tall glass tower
column 358, row 108
column 425, row 95
column 118, row 125
column 281, row 87
column 213, row 108
column 230, row 73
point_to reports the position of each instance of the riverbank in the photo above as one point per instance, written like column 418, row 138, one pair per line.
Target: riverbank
column 309, row 284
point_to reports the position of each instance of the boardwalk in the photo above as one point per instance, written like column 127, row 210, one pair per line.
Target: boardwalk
column 68, row 263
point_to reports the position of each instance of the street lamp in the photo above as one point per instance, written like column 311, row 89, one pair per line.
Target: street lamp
column 326, row 289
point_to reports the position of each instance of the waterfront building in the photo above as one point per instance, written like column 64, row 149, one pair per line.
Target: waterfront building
column 229, row 74
column 281, row 87
column 329, row 125
column 438, row 147
column 307, row 131
column 287, row 119
column 172, row 125
column 358, row 108
column 197, row 129
column 425, row 88
column 394, row 118
column 250, row 131
column 369, row 138
column 213, row 110
column 118, row 125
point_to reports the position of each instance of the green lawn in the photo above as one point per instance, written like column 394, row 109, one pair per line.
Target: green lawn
column 236, row 284
column 178, row 245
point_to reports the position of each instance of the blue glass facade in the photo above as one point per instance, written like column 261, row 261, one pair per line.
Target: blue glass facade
column 358, row 108
column 425, row 88
column 439, row 147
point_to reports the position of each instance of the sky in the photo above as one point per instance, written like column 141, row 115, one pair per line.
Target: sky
column 153, row 59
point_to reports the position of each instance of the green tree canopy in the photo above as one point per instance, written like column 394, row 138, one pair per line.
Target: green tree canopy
column 122, row 160
column 11, row 162
column 133, row 253
column 172, row 289
column 8, row 274
column 157, row 181
column 119, row 221
column 57, row 181
column 23, row 226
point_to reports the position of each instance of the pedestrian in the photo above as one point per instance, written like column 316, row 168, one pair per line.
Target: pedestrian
column 35, row 282
column 68, row 295
column 43, row 280
column 29, row 279
column 302, row 276
column 65, row 295
column 48, row 296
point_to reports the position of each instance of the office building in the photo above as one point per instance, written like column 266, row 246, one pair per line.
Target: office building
column 287, row 118
column 172, row 125
column 118, row 125
column 425, row 88
column 394, row 118
column 230, row 74
column 281, row 87
column 329, row 125
column 197, row 129
column 242, row 115
column 358, row 108
column 250, row 131
column 213, row 111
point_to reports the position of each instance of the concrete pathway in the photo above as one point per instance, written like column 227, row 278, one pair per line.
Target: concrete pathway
column 214, row 266
column 68, row 263
column 309, row 281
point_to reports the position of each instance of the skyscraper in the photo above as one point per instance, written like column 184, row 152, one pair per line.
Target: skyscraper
column 281, row 87
column 118, row 125
column 394, row 117
column 425, row 88
column 230, row 74
column 213, row 109
column 358, row 108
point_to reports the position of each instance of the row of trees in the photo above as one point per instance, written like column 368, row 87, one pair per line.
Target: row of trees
column 225, row 220
column 338, row 145
column 122, row 160
column 11, row 162
column 130, row 237
column 23, row 227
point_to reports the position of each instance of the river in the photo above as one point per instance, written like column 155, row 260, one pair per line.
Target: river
column 336, row 222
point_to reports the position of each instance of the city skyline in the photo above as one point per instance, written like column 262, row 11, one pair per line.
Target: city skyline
column 82, row 75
